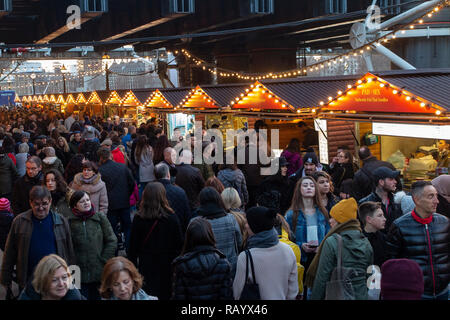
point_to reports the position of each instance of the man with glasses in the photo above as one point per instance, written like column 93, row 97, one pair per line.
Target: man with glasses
column 33, row 177
column 35, row 234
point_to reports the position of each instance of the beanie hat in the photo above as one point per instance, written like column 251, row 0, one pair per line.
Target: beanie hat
column 5, row 205
column 344, row 210
column 401, row 279
column 260, row 219
column 310, row 157
column 269, row 199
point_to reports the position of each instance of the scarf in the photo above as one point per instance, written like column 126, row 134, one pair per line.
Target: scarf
column 352, row 224
column 421, row 220
column 90, row 180
column 264, row 239
column 83, row 215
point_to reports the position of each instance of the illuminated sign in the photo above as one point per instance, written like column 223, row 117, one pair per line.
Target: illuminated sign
column 411, row 130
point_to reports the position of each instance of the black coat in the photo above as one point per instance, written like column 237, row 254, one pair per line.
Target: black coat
column 339, row 173
column 443, row 206
column 156, row 255
column 362, row 181
column 190, row 179
column 89, row 149
column 202, row 274
column 119, row 184
column 20, row 197
column 281, row 184
column 393, row 211
column 178, row 201
column 378, row 242
column 408, row 238
column 6, row 219
column 8, row 174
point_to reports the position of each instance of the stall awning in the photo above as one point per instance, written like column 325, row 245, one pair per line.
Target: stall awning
column 69, row 99
column 60, row 99
column 130, row 100
column 17, row 98
column 198, row 100
column 81, row 99
column 40, row 99
column 94, row 98
column 373, row 97
column 157, row 101
column 52, row 98
column 46, row 98
column 114, row 98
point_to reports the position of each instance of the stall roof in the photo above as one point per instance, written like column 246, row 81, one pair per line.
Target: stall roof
column 142, row 95
column 223, row 94
column 175, row 95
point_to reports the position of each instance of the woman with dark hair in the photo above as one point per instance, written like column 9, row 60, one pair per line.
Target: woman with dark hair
column 224, row 225
column 161, row 144
column 155, row 241
column 90, row 180
column 325, row 188
column 231, row 176
column 143, row 155
column 342, row 168
column 307, row 218
column 201, row 272
column 74, row 166
column 215, row 183
column 293, row 156
column 94, row 242
column 55, row 183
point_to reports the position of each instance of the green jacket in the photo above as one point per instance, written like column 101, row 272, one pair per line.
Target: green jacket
column 62, row 207
column 94, row 243
column 357, row 253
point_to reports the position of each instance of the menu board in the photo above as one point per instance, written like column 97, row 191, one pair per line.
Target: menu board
column 411, row 130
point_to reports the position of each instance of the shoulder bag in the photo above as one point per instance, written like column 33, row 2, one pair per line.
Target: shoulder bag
column 251, row 289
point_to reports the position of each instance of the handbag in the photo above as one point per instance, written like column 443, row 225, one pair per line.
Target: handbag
column 251, row 289
column 340, row 285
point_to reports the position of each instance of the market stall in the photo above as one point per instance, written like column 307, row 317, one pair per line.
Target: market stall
column 402, row 116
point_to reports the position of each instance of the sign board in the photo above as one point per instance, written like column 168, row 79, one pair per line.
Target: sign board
column 411, row 130
column 320, row 125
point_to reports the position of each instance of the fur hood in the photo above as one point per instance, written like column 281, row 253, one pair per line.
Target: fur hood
column 93, row 186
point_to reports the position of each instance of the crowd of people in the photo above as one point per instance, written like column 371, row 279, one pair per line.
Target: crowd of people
column 142, row 221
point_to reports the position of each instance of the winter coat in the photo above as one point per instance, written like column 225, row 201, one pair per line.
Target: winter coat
column 6, row 219
column 443, row 206
column 339, row 173
column 119, row 184
column 21, row 191
column 226, row 231
column 62, row 205
column 8, row 174
column 21, row 159
column 52, row 163
column 18, row 244
column 94, row 243
column 234, row 179
column 29, row 293
column 378, row 242
column 118, row 155
column 294, row 159
column 191, row 181
column 89, row 149
column 393, row 211
column 178, row 201
column 96, row 189
column 154, row 257
column 362, row 184
column 202, row 274
column 301, row 229
column 357, row 254
column 281, row 184
column 146, row 167
column 74, row 146
column 427, row 244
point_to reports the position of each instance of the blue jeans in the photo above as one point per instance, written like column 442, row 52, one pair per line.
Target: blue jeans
column 122, row 215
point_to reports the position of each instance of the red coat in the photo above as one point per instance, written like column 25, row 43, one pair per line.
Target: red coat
column 118, row 156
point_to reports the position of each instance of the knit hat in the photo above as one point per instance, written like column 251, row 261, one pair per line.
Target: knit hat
column 401, row 279
column 260, row 219
column 5, row 205
column 344, row 210
column 269, row 199
column 89, row 133
column 310, row 157
column 106, row 142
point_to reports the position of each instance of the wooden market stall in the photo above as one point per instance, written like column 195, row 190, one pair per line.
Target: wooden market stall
column 402, row 115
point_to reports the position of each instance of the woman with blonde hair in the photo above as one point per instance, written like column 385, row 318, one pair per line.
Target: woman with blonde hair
column 232, row 203
column 51, row 281
column 122, row 281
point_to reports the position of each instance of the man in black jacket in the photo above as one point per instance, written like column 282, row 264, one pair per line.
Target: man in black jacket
column 424, row 236
column 33, row 177
column 386, row 185
column 189, row 179
column 363, row 182
column 176, row 196
column 119, row 186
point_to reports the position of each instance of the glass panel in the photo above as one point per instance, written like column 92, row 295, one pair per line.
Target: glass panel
column 3, row 5
column 91, row 5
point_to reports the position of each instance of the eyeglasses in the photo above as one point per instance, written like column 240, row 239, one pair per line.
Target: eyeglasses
column 41, row 204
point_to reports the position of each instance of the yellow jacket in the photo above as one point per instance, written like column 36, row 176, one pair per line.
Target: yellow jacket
column 300, row 269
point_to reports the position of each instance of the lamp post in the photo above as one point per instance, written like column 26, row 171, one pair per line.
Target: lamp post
column 33, row 78
column 105, row 57
column 63, row 71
